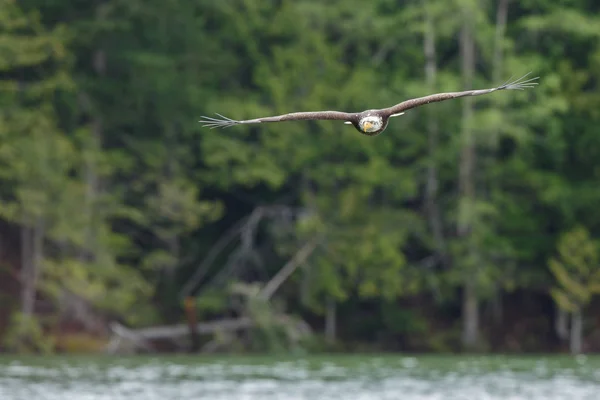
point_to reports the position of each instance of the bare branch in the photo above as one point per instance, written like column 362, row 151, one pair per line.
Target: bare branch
column 211, row 256
column 246, row 228
column 287, row 270
column 434, row 215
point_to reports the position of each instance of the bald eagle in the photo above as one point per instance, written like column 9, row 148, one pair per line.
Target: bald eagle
column 369, row 122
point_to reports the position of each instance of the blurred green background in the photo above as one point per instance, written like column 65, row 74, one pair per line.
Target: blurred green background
column 468, row 225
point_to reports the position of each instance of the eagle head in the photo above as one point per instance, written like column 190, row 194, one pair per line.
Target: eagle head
column 370, row 124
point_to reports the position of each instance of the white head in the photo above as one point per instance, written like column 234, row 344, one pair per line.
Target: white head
column 371, row 123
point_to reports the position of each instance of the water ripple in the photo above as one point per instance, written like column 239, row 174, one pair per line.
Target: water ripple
column 311, row 378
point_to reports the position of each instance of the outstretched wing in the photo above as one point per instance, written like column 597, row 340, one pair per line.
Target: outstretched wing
column 518, row 84
column 224, row 122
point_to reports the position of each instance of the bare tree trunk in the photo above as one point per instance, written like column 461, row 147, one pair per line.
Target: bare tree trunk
column 172, row 240
column 32, row 255
column 561, row 324
column 75, row 306
column 91, row 167
column 470, row 306
column 576, row 332
column 88, row 253
column 501, row 18
column 470, row 334
column 39, row 231
column 93, row 148
column 433, row 211
column 330, row 320
column 27, row 286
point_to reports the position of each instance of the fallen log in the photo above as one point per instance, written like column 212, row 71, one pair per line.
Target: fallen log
column 131, row 337
column 141, row 338
column 179, row 330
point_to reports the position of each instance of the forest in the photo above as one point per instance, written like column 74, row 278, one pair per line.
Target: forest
column 468, row 225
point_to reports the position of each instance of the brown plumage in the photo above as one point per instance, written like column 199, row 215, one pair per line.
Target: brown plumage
column 369, row 122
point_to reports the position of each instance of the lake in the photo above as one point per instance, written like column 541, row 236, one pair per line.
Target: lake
column 324, row 377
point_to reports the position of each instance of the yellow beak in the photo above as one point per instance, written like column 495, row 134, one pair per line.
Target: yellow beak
column 367, row 125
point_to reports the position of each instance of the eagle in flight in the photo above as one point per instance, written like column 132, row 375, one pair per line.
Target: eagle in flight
column 369, row 122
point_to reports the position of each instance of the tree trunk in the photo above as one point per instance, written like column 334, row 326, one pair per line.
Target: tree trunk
column 91, row 167
column 191, row 317
column 433, row 211
column 470, row 305
column 470, row 335
column 172, row 239
column 27, row 285
column 91, row 152
column 32, row 255
column 501, row 18
column 330, row 320
column 39, row 231
column 561, row 324
column 576, row 332
column 90, row 250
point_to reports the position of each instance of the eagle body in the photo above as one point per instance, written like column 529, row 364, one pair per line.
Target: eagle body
column 369, row 122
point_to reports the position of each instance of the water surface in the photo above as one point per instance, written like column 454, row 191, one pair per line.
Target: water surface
column 386, row 377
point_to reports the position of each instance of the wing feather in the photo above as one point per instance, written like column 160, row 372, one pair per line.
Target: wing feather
column 518, row 84
column 224, row 122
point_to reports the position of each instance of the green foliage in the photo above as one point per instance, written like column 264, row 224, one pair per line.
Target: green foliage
column 26, row 335
column 407, row 322
column 212, row 302
column 34, row 154
column 272, row 330
column 576, row 269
